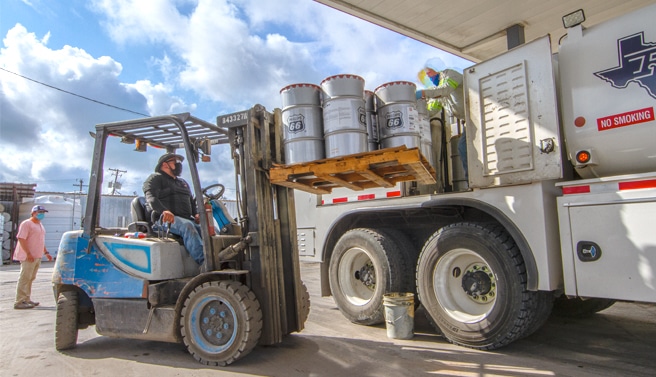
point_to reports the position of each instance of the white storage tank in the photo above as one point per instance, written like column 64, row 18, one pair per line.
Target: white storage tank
column 4, row 235
column 608, row 95
column 63, row 215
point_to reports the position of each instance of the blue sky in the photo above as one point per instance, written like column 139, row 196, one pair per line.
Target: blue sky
column 156, row 57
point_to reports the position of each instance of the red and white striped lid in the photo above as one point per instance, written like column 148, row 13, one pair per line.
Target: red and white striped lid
column 300, row 85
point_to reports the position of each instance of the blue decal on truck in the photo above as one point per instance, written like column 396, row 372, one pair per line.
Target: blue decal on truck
column 637, row 63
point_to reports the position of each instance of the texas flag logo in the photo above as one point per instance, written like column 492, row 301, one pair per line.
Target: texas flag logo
column 637, row 63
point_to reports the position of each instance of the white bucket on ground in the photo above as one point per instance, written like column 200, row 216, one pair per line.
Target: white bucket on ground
column 302, row 123
column 398, row 119
column 344, row 115
column 399, row 315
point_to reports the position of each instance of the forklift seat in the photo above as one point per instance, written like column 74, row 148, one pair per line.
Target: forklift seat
column 141, row 215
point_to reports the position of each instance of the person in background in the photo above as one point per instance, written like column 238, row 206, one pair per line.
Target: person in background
column 170, row 199
column 29, row 251
column 445, row 91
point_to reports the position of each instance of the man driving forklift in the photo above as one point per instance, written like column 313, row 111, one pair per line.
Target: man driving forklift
column 169, row 198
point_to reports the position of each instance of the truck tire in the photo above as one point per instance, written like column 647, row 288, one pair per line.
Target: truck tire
column 409, row 253
column 365, row 264
column 544, row 302
column 66, row 320
column 579, row 308
column 220, row 322
column 471, row 280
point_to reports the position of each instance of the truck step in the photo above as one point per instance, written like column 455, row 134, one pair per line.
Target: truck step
column 379, row 168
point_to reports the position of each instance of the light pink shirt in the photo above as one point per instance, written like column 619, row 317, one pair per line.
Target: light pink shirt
column 35, row 236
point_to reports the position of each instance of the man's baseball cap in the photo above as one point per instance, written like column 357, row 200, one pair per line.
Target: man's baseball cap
column 39, row 208
column 165, row 157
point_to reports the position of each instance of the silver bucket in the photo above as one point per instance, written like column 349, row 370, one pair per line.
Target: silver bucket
column 344, row 115
column 372, row 121
column 302, row 123
column 398, row 119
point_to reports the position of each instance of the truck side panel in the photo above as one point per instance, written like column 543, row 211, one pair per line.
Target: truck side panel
column 512, row 118
column 529, row 209
column 608, row 245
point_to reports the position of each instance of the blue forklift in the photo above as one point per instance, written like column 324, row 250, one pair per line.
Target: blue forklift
column 140, row 283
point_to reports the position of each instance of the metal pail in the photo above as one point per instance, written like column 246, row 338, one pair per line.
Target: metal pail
column 398, row 119
column 344, row 116
column 302, row 123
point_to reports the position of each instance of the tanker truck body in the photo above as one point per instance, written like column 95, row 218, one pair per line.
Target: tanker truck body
column 556, row 210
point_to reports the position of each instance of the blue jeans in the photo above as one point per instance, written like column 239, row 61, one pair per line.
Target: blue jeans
column 190, row 233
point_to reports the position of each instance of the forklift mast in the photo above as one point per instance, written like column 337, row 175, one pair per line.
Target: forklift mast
column 272, row 256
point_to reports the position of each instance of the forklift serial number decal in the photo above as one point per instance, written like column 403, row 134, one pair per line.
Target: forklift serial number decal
column 232, row 118
column 626, row 119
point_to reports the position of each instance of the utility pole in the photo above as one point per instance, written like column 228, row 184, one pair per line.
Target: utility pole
column 117, row 174
column 80, row 184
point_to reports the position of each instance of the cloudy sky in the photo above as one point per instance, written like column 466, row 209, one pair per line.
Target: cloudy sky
column 66, row 66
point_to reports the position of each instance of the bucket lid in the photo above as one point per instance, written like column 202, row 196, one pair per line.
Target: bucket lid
column 342, row 76
column 300, row 85
column 392, row 83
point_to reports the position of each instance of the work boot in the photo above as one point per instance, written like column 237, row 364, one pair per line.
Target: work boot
column 34, row 303
column 23, row 305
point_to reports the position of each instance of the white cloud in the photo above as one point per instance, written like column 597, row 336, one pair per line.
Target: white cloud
column 44, row 132
column 223, row 60
column 240, row 53
column 160, row 99
column 214, row 57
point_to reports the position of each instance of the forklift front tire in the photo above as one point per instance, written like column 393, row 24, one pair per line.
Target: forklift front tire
column 66, row 320
column 221, row 322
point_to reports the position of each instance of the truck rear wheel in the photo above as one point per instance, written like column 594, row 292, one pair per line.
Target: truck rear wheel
column 365, row 264
column 221, row 322
column 66, row 321
column 471, row 280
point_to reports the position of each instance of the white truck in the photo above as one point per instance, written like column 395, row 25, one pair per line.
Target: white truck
column 558, row 208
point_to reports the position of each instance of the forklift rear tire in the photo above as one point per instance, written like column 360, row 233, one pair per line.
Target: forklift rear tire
column 365, row 265
column 221, row 322
column 66, row 321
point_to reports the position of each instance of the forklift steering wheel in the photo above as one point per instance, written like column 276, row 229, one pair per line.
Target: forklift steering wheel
column 214, row 196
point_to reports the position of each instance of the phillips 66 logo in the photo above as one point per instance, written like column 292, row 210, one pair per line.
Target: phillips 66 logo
column 362, row 116
column 296, row 123
column 394, row 119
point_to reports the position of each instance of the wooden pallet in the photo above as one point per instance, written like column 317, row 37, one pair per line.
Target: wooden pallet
column 380, row 168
